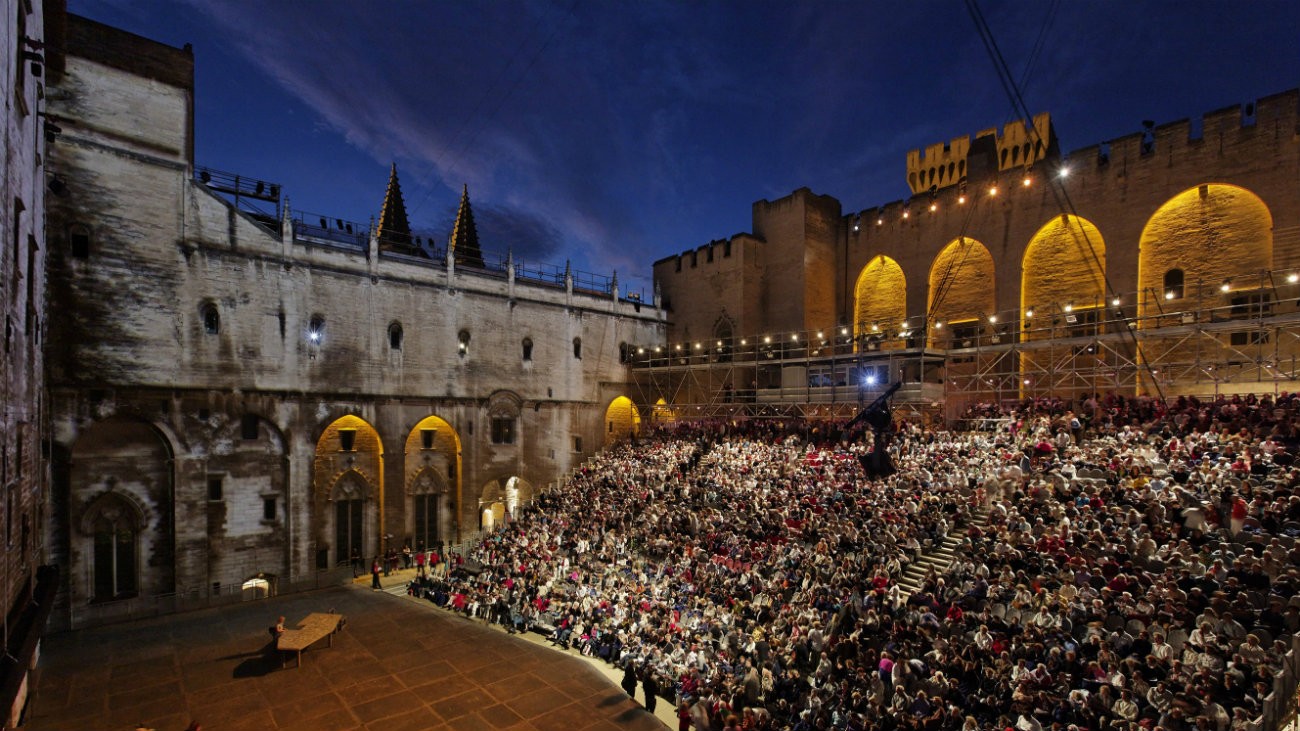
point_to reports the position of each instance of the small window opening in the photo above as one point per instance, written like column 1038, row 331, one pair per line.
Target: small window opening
column 348, row 440
column 577, row 348
column 426, row 438
column 462, row 343
column 395, row 336
column 215, row 488
column 528, row 349
column 269, row 508
column 79, row 241
column 248, row 427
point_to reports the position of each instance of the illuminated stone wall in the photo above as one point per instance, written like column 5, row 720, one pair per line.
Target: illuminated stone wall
column 962, row 283
column 880, row 296
column 131, row 338
column 1004, row 204
column 621, row 420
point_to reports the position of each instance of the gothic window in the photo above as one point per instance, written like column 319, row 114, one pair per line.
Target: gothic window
column 528, row 349
column 395, row 336
column 211, row 319
column 1174, row 284
column 115, row 528
column 503, row 430
column 577, row 348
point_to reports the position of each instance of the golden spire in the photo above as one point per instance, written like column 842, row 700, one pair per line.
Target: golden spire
column 394, row 229
column 464, row 236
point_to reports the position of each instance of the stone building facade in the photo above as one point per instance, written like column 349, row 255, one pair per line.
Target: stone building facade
column 242, row 401
column 28, row 64
column 1163, row 261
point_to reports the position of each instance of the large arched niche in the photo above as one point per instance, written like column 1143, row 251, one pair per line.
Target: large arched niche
column 622, row 420
column 879, row 301
column 348, row 492
column 121, row 480
column 432, row 482
column 961, row 284
column 1210, row 234
column 1064, row 272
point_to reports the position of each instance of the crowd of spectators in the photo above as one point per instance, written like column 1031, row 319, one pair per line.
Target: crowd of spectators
column 1119, row 564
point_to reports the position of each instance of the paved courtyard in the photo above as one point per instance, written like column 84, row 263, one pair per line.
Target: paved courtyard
column 399, row 665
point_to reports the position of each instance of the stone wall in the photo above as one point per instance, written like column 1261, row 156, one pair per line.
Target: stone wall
column 243, row 349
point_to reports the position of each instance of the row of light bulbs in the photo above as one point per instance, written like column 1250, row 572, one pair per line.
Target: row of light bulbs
column 1026, row 182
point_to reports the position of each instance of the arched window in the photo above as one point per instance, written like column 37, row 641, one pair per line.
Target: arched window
column 528, row 349
column 395, row 336
column 316, row 328
column 462, row 343
column 211, row 318
column 577, row 348
column 115, row 528
column 1174, row 284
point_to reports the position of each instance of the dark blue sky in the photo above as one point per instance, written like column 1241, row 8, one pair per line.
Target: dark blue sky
column 614, row 133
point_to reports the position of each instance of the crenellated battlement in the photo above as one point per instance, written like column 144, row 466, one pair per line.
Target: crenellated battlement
column 1270, row 119
column 945, row 164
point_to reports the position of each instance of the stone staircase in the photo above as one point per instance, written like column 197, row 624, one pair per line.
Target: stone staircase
column 939, row 557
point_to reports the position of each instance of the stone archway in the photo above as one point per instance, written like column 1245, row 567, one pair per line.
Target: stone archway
column 880, row 303
column 622, row 420
column 348, row 495
column 961, row 294
column 121, row 480
column 502, row 499
column 432, row 499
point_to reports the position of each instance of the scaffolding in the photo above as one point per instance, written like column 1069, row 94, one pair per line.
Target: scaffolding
column 1201, row 339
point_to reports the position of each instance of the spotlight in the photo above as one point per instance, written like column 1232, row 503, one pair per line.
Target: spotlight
column 938, row 326
column 1064, row 172
column 1069, row 308
column 1029, row 313
column 767, row 338
column 1115, row 302
column 880, row 221
column 934, row 207
column 1027, row 181
column 870, row 380
column 1169, row 294
column 1227, row 284
column 993, row 190
column 961, row 199
column 993, row 318
column 1293, row 277
column 795, row 337
column 845, row 330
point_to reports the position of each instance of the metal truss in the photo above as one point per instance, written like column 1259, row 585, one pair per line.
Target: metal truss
column 1203, row 343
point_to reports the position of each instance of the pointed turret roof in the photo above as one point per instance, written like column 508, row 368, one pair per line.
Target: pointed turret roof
column 394, row 229
column 464, row 236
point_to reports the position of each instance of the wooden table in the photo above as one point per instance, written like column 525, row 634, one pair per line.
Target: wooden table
column 317, row 626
